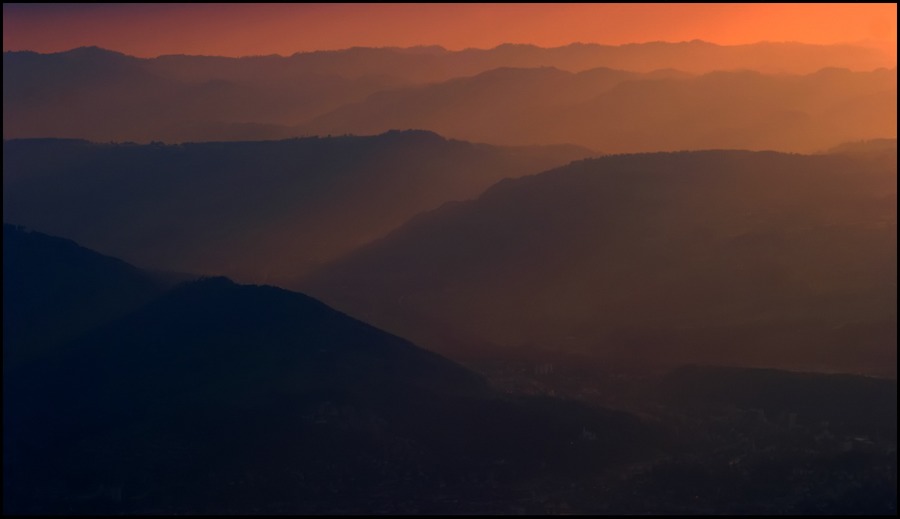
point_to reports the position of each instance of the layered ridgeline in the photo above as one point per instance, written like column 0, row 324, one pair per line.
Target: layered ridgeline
column 257, row 211
column 618, row 111
column 217, row 397
column 739, row 257
column 100, row 95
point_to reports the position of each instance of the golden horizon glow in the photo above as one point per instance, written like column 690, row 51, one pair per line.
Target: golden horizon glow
column 149, row 30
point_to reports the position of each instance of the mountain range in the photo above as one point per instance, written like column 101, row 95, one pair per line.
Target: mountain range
column 645, row 278
column 568, row 95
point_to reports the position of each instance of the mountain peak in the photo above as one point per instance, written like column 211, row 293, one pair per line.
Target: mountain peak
column 92, row 51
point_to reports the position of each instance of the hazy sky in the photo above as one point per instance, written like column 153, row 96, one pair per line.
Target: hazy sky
column 251, row 29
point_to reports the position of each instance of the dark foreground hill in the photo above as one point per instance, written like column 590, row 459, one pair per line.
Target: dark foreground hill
column 256, row 211
column 54, row 289
column 222, row 398
column 753, row 258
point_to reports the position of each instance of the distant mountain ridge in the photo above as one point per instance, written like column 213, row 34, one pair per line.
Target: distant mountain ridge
column 98, row 95
column 619, row 111
column 692, row 56
column 873, row 146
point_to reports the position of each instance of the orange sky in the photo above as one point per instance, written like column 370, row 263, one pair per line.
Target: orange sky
column 250, row 29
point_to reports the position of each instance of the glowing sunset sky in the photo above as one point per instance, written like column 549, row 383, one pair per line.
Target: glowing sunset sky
column 148, row 30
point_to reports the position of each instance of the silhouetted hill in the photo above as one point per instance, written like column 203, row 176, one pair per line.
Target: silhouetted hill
column 620, row 111
column 54, row 289
column 257, row 211
column 225, row 398
column 101, row 95
column 754, row 258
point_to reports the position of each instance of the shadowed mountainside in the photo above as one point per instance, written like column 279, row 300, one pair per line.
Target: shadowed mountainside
column 256, row 211
column 740, row 257
column 54, row 290
column 217, row 397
